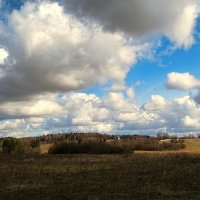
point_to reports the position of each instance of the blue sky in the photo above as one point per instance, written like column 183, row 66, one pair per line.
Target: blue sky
column 99, row 67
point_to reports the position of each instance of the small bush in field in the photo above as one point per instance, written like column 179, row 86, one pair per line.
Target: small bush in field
column 35, row 144
column 152, row 145
column 172, row 146
column 12, row 145
column 82, row 148
column 1, row 145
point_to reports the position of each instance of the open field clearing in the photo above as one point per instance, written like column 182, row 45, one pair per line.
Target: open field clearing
column 86, row 177
column 192, row 146
column 44, row 148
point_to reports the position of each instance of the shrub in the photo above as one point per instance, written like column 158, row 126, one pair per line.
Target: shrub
column 11, row 145
column 1, row 145
column 35, row 143
column 82, row 148
column 172, row 146
column 14, row 145
column 152, row 145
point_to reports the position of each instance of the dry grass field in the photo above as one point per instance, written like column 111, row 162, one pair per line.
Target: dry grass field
column 136, row 176
column 143, row 176
column 44, row 148
column 192, row 146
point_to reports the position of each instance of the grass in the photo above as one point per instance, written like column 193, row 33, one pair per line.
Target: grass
column 44, row 148
column 192, row 146
column 164, row 175
column 136, row 176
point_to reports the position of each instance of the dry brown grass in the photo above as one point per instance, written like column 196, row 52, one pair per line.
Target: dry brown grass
column 44, row 148
column 192, row 146
column 84, row 177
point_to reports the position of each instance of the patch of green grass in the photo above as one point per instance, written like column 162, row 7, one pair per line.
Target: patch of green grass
column 74, row 177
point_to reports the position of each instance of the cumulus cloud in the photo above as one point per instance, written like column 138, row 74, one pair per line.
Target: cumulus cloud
column 121, row 114
column 182, row 81
column 3, row 56
column 43, row 105
column 177, row 114
column 21, row 127
column 52, row 51
column 12, row 127
column 115, row 113
column 191, row 122
column 174, row 19
column 156, row 103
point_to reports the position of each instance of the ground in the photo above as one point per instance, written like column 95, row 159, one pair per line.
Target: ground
column 134, row 176
column 45, row 147
column 192, row 146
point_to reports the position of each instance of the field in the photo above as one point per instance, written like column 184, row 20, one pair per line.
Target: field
column 44, row 148
column 192, row 146
column 134, row 176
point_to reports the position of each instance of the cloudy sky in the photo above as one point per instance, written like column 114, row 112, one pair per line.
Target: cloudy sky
column 108, row 66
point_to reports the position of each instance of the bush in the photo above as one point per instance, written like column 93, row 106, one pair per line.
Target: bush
column 152, row 145
column 172, row 146
column 12, row 145
column 1, row 145
column 82, row 148
column 35, row 144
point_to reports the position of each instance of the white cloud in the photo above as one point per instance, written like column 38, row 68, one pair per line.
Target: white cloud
column 53, row 51
column 15, row 128
column 184, row 81
column 38, row 106
column 182, row 30
column 3, row 55
column 157, row 103
column 158, row 114
column 116, row 112
column 191, row 122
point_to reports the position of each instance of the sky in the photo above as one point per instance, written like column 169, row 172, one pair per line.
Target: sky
column 109, row 66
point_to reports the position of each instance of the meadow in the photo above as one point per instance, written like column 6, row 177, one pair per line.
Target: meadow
column 142, row 176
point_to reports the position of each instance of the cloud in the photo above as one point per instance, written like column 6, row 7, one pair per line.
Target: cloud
column 177, row 114
column 40, row 106
column 121, row 114
column 182, row 81
column 52, row 51
column 156, row 103
column 175, row 19
column 191, row 122
column 114, row 113
column 48, row 52
column 3, row 56
column 21, row 127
